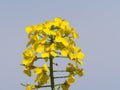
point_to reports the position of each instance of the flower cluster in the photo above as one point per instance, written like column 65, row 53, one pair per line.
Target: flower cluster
column 48, row 41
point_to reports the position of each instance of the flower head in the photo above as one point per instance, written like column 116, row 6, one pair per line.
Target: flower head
column 47, row 41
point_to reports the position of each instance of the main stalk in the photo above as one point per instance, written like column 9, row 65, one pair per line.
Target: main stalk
column 52, row 74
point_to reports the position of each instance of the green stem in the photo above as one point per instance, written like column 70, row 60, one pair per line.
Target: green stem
column 61, row 77
column 51, row 74
column 60, row 71
column 46, row 86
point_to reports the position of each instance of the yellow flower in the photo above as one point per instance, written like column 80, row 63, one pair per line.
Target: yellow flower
column 62, row 40
column 74, row 34
column 32, row 40
column 50, row 50
column 38, row 46
column 28, row 61
column 28, row 30
column 64, row 24
column 71, row 79
column 64, row 52
column 70, row 68
column 45, row 68
column 80, row 72
column 30, row 87
column 80, row 55
column 48, row 24
column 49, row 32
column 57, row 21
column 27, row 71
column 38, row 71
column 42, row 76
column 29, row 57
column 45, row 55
column 65, row 86
column 39, row 27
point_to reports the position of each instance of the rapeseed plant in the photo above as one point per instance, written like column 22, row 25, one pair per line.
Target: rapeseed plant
column 52, row 39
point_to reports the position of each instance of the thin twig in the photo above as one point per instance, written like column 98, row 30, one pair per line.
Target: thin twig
column 61, row 77
column 60, row 71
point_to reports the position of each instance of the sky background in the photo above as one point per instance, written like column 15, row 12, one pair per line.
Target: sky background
column 96, row 21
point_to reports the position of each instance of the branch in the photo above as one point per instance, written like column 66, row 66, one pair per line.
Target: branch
column 37, row 86
column 60, row 71
column 61, row 77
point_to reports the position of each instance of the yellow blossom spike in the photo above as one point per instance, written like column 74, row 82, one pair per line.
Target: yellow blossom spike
column 52, row 39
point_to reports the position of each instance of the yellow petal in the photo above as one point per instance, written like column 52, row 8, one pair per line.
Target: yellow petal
column 64, row 52
column 64, row 42
column 38, row 70
column 45, row 55
column 58, row 39
column 65, row 23
column 40, row 48
column 53, row 53
column 58, row 19
column 42, row 78
column 43, row 40
column 75, row 35
column 45, row 68
column 71, row 56
column 52, row 32
column 26, row 62
column 52, row 47
column 39, row 27
column 28, row 30
column 80, row 55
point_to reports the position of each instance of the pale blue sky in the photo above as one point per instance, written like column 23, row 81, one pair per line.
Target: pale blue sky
column 96, row 21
